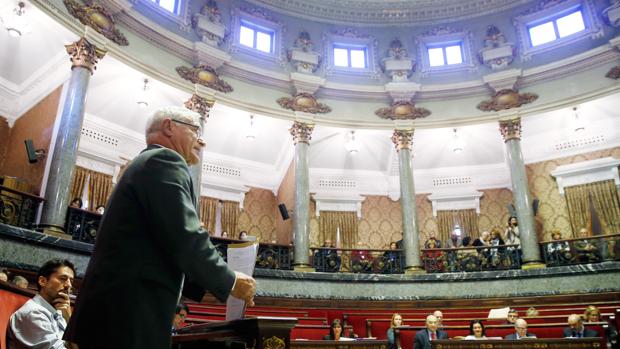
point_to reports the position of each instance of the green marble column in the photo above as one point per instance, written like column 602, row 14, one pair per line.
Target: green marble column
column 201, row 106
column 411, row 242
column 84, row 57
column 302, row 133
column 511, row 132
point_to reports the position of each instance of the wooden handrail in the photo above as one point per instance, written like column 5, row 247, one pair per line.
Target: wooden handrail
column 22, row 193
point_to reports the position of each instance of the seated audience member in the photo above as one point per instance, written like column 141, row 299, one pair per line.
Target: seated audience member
column 520, row 331
column 512, row 317
column 576, row 329
column 592, row 314
column 454, row 241
column 586, row 251
column 432, row 259
column 325, row 259
column 439, row 315
column 432, row 240
column 41, row 321
column 360, row 260
column 20, row 281
column 559, row 251
column 179, row 317
column 243, row 235
column 335, row 331
column 100, row 209
column 476, row 331
column 483, row 240
column 4, row 275
column 496, row 253
column 391, row 259
column 224, row 235
column 76, row 203
column 397, row 320
column 424, row 337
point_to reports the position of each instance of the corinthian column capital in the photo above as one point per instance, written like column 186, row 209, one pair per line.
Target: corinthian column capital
column 402, row 139
column 301, row 132
column 84, row 54
column 200, row 105
column 510, row 129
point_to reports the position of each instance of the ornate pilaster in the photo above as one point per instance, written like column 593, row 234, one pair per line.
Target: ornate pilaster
column 84, row 58
column 201, row 106
column 402, row 140
column 302, row 133
column 511, row 132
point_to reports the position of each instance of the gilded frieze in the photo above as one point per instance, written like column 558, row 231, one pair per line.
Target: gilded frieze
column 205, row 76
column 507, row 99
column 98, row 18
column 402, row 110
column 304, row 102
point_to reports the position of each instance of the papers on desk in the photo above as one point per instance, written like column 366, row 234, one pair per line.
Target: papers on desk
column 500, row 313
column 240, row 257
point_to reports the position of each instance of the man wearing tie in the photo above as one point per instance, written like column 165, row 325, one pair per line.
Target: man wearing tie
column 576, row 329
column 41, row 322
column 424, row 337
column 520, row 331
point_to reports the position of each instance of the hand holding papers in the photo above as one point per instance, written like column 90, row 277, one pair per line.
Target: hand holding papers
column 241, row 259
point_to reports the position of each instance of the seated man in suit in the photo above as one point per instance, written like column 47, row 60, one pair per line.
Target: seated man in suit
column 424, row 337
column 520, row 331
column 576, row 329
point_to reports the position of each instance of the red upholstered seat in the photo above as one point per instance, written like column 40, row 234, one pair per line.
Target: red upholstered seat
column 10, row 301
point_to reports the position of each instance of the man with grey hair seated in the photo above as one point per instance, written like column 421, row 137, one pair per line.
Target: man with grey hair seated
column 576, row 329
column 149, row 244
column 520, row 331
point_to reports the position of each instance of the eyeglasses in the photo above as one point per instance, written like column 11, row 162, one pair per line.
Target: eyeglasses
column 193, row 127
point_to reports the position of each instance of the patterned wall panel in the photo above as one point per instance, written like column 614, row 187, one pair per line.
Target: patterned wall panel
column 427, row 224
column 493, row 209
column 381, row 222
column 286, row 195
column 552, row 211
column 257, row 216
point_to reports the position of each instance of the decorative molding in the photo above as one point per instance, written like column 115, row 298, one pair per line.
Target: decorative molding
column 402, row 139
column 510, row 129
column 205, row 76
column 614, row 73
column 587, row 172
column 200, row 105
column 349, row 36
column 343, row 202
column 506, row 99
column 402, row 110
column 440, row 35
column 302, row 55
column 262, row 18
column 304, row 102
column 504, row 80
column 497, row 53
column 397, row 63
column 84, row 54
column 98, row 18
column 301, row 132
column 611, row 15
column 456, row 200
column 208, row 24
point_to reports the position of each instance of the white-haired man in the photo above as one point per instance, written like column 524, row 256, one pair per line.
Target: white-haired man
column 520, row 331
column 423, row 338
column 149, row 241
column 576, row 329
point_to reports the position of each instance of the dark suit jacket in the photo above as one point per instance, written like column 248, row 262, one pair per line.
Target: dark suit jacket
column 422, row 340
column 513, row 336
column 148, row 241
column 587, row 333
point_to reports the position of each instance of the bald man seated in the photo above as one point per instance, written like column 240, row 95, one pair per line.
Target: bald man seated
column 423, row 338
column 520, row 331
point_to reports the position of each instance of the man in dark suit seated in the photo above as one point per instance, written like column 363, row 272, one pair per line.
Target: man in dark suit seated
column 150, row 246
column 576, row 329
column 326, row 259
column 520, row 331
column 424, row 337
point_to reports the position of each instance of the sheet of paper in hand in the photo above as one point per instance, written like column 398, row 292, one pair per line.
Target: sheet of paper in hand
column 240, row 257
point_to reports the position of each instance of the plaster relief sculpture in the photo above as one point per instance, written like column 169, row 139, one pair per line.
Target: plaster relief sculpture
column 98, row 18
column 208, row 24
column 402, row 110
column 304, row 102
column 497, row 52
column 397, row 63
column 206, row 76
column 507, row 99
column 302, row 55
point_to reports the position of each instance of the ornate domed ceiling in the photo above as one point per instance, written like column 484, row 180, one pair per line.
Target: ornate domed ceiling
column 388, row 12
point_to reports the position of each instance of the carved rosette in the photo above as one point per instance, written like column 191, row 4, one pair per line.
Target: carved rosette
column 84, row 54
column 507, row 99
column 205, row 76
column 402, row 110
column 402, row 139
column 304, row 102
column 510, row 129
column 98, row 18
column 614, row 73
column 274, row 343
column 301, row 132
column 200, row 105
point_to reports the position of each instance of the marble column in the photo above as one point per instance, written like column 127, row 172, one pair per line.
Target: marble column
column 84, row 58
column 302, row 133
column 411, row 242
column 201, row 106
column 511, row 132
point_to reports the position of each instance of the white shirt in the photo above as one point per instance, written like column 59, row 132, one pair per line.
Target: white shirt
column 37, row 325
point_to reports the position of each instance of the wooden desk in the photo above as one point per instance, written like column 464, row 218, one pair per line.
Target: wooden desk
column 560, row 343
column 356, row 344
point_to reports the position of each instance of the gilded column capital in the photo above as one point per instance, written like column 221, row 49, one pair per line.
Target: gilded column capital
column 200, row 105
column 301, row 132
column 402, row 139
column 84, row 54
column 510, row 129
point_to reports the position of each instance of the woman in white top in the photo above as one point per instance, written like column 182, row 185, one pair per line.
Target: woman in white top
column 476, row 330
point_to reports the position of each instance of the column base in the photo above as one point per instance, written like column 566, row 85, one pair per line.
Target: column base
column 533, row 265
column 414, row 270
column 54, row 230
column 304, row 268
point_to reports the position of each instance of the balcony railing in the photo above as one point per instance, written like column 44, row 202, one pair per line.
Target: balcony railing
column 593, row 249
column 270, row 256
column 82, row 225
column 467, row 259
column 18, row 208
column 332, row 260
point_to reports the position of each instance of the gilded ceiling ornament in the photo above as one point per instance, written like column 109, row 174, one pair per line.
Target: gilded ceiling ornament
column 402, row 110
column 200, row 105
column 274, row 343
column 98, row 18
column 205, row 76
column 442, row 30
column 84, row 54
column 510, row 129
column 304, row 102
column 614, row 73
column 402, row 139
column 301, row 132
column 507, row 99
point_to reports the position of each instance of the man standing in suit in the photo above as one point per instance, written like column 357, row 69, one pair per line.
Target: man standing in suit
column 424, row 337
column 149, row 244
column 520, row 331
column 576, row 329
